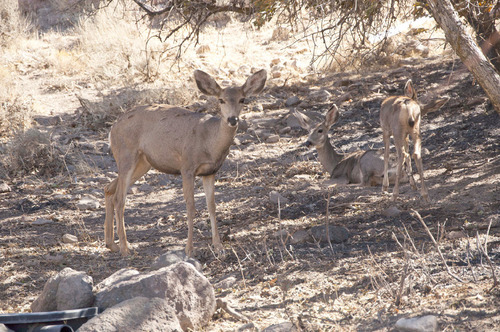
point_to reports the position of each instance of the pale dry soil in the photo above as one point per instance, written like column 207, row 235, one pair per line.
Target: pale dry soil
column 350, row 286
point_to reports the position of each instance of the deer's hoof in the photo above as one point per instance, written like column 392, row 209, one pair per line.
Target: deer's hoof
column 125, row 249
column 113, row 247
column 189, row 251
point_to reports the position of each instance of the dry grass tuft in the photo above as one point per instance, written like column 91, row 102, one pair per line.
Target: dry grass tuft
column 32, row 152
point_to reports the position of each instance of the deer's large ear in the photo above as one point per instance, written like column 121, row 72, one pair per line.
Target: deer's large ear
column 410, row 91
column 331, row 116
column 206, row 83
column 255, row 83
column 304, row 120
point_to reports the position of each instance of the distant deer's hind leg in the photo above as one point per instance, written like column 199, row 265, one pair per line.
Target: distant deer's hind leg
column 128, row 174
column 109, row 227
column 209, row 187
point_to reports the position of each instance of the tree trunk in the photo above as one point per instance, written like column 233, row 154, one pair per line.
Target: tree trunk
column 467, row 49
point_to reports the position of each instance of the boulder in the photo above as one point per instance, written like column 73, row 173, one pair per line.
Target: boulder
column 186, row 289
column 173, row 257
column 337, row 234
column 417, row 324
column 136, row 314
column 281, row 327
column 275, row 198
column 69, row 289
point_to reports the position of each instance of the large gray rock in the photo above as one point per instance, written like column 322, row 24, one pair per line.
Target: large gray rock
column 427, row 323
column 173, row 257
column 338, row 234
column 69, row 289
column 282, row 327
column 189, row 292
column 137, row 314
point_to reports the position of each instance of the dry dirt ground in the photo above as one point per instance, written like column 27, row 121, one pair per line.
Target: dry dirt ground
column 388, row 268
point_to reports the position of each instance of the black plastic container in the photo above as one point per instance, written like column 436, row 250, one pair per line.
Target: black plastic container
column 51, row 321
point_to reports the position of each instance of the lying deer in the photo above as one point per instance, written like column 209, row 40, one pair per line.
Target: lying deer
column 361, row 167
column 175, row 140
column 400, row 117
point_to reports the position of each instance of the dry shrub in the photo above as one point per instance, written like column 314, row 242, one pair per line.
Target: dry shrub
column 15, row 114
column 10, row 21
column 31, row 152
column 16, row 109
column 99, row 115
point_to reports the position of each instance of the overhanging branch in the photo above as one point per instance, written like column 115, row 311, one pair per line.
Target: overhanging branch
column 212, row 7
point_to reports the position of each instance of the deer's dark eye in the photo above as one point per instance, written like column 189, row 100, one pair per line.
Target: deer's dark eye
column 222, row 101
column 242, row 100
column 320, row 131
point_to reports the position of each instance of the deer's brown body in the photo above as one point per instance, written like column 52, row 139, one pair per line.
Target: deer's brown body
column 400, row 117
column 360, row 167
column 174, row 140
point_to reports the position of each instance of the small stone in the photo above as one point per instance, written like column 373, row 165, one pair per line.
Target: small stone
column 300, row 236
column 453, row 235
column 173, row 257
column 392, row 212
column 226, row 282
column 292, row 101
column 276, row 197
column 285, row 130
column 257, row 108
column 275, row 61
column 56, row 259
column 273, row 139
column 418, row 324
column 42, row 221
column 146, row 188
column 88, row 203
column 276, row 74
column 4, row 188
column 320, row 96
column 69, row 238
column 337, row 234
column 281, row 327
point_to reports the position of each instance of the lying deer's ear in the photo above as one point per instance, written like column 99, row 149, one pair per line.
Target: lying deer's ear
column 304, row 120
column 255, row 83
column 410, row 91
column 206, row 83
column 332, row 116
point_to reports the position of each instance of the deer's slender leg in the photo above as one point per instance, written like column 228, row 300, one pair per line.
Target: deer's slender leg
column 398, row 142
column 408, row 168
column 418, row 160
column 188, row 190
column 387, row 141
column 109, row 227
column 133, row 168
column 209, row 187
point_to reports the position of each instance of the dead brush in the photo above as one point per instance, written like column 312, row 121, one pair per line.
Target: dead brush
column 100, row 114
column 31, row 152
column 15, row 114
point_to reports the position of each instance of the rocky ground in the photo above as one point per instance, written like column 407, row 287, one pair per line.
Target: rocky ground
column 389, row 266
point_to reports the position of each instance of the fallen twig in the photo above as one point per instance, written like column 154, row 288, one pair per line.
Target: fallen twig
column 241, row 268
column 419, row 217
column 225, row 306
column 327, row 222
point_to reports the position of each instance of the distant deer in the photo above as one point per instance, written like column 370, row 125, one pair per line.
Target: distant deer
column 400, row 117
column 175, row 140
column 362, row 167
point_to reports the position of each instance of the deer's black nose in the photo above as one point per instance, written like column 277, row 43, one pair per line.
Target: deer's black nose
column 308, row 144
column 233, row 120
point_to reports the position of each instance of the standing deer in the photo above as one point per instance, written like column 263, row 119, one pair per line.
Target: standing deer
column 362, row 167
column 400, row 117
column 175, row 140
